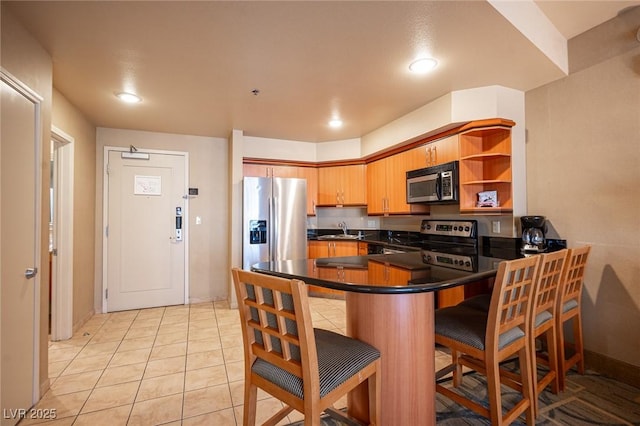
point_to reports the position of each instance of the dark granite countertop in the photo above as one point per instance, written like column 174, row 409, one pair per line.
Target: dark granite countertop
column 394, row 273
column 384, row 274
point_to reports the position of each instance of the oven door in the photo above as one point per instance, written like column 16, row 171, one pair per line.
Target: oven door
column 422, row 189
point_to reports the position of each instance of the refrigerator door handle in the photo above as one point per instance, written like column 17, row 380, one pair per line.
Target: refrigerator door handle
column 271, row 229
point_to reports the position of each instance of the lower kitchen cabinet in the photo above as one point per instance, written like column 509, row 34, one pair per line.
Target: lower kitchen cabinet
column 320, row 249
column 384, row 273
column 455, row 295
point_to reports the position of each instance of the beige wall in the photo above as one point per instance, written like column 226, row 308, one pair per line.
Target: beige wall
column 26, row 60
column 209, row 273
column 67, row 118
column 583, row 173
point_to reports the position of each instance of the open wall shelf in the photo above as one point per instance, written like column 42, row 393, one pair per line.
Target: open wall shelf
column 485, row 165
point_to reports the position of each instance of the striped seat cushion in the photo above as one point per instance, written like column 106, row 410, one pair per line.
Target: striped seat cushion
column 468, row 325
column 569, row 305
column 339, row 358
column 542, row 317
column 480, row 302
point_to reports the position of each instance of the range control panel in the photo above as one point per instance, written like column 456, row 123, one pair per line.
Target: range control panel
column 455, row 261
column 451, row 228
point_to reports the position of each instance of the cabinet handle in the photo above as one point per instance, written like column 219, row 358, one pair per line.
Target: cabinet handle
column 435, row 155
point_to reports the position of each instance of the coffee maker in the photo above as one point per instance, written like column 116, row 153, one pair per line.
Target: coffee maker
column 533, row 234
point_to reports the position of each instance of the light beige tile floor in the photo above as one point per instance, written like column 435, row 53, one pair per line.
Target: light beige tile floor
column 170, row 365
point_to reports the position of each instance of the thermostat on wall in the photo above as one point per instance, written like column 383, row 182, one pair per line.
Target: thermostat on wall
column 193, row 191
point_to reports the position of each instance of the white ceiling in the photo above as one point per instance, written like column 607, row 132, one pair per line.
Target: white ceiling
column 195, row 64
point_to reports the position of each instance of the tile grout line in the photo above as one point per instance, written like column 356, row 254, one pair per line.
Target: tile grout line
column 75, row 417
column 224, row 360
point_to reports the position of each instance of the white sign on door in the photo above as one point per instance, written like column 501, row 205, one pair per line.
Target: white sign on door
column 147, row 185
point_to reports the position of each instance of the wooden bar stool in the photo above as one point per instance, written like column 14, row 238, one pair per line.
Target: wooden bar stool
column 307, row 369
column 543, row 321
column 481, row 340
column 568, row 309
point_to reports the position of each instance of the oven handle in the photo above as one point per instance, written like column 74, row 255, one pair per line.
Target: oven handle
column 392, row 251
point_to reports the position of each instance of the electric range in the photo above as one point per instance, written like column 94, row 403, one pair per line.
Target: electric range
column 450, row 243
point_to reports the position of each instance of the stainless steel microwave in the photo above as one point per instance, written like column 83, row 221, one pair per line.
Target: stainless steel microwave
column 435, row 185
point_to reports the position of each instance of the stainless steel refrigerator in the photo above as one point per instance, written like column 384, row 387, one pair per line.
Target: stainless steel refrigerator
column 274, row 220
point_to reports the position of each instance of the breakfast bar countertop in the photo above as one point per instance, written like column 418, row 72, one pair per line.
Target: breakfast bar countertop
column 404, row 273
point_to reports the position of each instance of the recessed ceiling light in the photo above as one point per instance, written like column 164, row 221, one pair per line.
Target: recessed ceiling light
column 335, row 123
column 423, row 65
column 129, row 98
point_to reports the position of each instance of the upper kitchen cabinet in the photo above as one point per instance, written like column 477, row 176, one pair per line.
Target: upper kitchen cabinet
column 485, row 166
column 386, row 184
column 310, row 174
column 269, row 170
column 342, row 185
column 435, row 153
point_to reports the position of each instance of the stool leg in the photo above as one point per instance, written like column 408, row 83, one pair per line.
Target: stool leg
column 577, row 336
column 457, row 368
column 250, row 401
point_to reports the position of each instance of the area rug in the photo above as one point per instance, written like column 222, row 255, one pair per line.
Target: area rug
column 589, row 399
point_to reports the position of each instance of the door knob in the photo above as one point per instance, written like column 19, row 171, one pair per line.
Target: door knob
column 30, row 272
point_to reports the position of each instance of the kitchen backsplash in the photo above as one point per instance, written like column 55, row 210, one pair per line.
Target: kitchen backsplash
column 357, row 218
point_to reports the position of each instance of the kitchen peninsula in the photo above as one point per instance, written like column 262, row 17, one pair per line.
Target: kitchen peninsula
column 390, row 304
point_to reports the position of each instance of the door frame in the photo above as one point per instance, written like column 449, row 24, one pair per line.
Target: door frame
column 62, row 262
column 36, row 99
column 105, row 215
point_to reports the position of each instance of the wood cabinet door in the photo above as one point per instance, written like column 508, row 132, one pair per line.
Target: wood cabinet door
column 255, row 170
column 343, row 248
column 386, row 274
column 363, row 249
column 328, row 185
column 284, row 171
column 268, row 170
column 416, row 158
column 376, row 186
column 332, row 274
column 445, row 150
column 354, row 184
column 356, row 276
column 340, row 185
column 377, row 273
column 397, row 167
column 318, row 249
column 310, row 174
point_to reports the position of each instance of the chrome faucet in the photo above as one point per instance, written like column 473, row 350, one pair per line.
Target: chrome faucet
column 343, row 226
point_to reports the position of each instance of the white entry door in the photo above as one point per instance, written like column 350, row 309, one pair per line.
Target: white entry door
column 145, row 229
column 19, row 235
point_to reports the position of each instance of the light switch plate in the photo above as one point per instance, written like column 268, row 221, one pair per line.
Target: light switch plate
column 495, row 226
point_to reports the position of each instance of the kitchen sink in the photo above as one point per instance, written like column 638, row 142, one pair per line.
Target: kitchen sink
column 339, row 237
